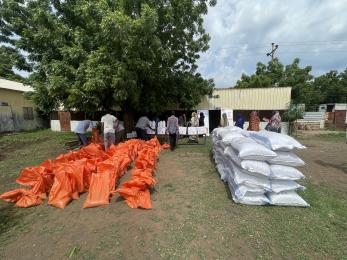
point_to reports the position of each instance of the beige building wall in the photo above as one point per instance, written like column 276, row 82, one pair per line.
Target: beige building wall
column 12, row 116
column 248, row 99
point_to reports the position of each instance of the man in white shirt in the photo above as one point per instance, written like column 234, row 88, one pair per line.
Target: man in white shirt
column 81, row 130
column 108, row 121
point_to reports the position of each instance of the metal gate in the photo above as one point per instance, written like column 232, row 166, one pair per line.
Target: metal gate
column 65, row 121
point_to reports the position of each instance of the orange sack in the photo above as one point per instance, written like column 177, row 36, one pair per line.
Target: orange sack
column 23, row 198
column 61, row 192
column 94, row 170
column 99, row 190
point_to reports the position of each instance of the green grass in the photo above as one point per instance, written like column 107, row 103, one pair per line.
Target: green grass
column 202, row 221
column 29, row 149
column 334, row 137
column 275, row 232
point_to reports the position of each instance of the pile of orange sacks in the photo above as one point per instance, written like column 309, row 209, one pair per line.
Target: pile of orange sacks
column 91, row 170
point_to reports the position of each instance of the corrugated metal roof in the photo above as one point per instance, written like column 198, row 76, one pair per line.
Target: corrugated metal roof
column 248, row 99
column 13, row 85
column 314, row 116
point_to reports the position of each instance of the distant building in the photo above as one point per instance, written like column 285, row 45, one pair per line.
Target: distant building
column 244, row 100
column 17, row 113
column 230, row 101
column 335, row 115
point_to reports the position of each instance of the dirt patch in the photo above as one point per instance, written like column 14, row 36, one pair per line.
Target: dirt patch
column 176, row 227
column 193, row 217
column 2, row 157
column 326, row 163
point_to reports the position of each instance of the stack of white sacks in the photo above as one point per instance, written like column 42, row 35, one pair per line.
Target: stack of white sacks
column 259, row 166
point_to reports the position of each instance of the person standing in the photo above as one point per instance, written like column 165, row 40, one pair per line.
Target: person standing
column 194, row 121
column 81, row 130
column 202, row 119
column 119, row 132
column 108, row 121
column 156, row 120
column 240, row 120
column 224, row 120
column 172, row 130
column 182, row 120
column 141, row 126
column 254, row 121
column 274, row 124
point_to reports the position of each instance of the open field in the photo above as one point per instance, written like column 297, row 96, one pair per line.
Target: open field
column 193, row 216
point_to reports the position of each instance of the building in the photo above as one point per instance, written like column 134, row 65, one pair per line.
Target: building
column 230, row 101
column 17, row 113
column 244, row 100
column 335, row 115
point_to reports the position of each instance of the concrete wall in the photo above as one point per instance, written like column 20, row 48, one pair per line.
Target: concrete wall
column 55, row 125
column 11, row 116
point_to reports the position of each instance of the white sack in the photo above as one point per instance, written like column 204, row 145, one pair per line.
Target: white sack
column 289, row 198
column 282, row 172
column 251, row 166
column 231, row 155
column 248, row 199
column 247, row 148
column 227, row 139
column 276, row 141
column 241, row 177
column 278, row 186
column 223, row 172
column 287, row 158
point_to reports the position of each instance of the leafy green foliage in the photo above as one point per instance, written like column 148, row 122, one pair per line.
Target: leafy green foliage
column 90, row 55
column 328, row 88
column 332, row 86
column 10, row 58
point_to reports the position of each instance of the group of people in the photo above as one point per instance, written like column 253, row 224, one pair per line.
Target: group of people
column 112, row 127
column 173, row 124
column 273, row 123
column 114, row 131
column 195, row 120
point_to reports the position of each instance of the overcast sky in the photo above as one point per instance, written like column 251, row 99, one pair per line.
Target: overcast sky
column 242, row 31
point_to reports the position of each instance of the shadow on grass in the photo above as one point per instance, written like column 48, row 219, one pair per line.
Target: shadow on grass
column 10, row 217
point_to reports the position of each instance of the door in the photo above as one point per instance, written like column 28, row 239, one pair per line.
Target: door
column 65, row 118
column 6, row 119
column 214, row 119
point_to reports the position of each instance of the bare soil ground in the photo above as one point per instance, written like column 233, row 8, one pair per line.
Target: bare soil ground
column 193, row 216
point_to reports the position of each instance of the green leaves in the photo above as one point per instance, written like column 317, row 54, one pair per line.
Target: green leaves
column 94, row 54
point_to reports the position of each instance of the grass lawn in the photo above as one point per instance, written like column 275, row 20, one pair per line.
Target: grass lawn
column 193, row 216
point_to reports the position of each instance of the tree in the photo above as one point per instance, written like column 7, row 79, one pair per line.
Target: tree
column 9, row 59
column 332, row 86
column 292, row 75
column 99, row 54
column 293, row 113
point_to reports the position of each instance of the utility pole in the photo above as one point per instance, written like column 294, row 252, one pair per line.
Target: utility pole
column 272, row 53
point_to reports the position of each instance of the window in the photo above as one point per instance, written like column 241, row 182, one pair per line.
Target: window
column 5, row 104
column 28, row 113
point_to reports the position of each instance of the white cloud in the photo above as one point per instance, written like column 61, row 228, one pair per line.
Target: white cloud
column 242, row 31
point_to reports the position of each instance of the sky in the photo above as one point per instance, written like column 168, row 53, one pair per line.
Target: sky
column 242, row 32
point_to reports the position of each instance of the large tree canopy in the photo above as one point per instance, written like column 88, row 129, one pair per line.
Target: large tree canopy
column 328, row 88
column 95, row 54
column 9, row 59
